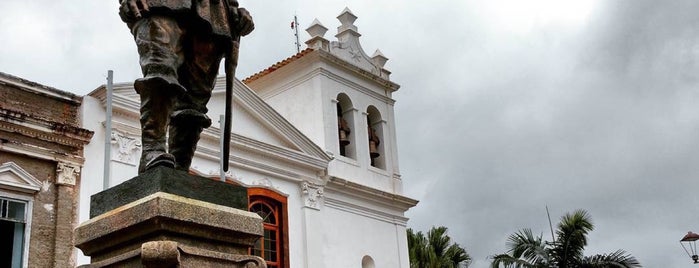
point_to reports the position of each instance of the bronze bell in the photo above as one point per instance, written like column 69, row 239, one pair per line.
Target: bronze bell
column 373, row 152
column 343, row 138
column 373, row 143
column 344, row 130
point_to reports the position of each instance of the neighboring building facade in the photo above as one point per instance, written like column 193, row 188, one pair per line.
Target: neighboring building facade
column 41, row 155
column 313, row 139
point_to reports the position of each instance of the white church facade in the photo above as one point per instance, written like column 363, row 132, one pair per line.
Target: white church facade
column 313, row 138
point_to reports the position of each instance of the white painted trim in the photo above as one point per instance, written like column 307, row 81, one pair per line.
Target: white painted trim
column 331, row 202
column 31, row 185
column 269, row 150
column 369, row 194
column 245, row 163
column 353, row 85
column 347, row 160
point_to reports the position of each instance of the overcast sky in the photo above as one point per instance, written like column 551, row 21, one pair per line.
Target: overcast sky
column 506, row 106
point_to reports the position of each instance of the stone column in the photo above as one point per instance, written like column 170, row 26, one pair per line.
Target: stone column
column 66, row 177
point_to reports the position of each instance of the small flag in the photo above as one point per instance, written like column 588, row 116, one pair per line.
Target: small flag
column 292, row 25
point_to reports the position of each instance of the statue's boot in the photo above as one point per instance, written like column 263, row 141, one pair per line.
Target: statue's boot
column 185, row 128
column 157, row 101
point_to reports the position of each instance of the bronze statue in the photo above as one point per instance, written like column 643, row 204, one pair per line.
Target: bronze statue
column 180, row 44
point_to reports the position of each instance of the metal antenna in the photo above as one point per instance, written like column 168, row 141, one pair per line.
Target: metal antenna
column 553, row 238
column 295, row 27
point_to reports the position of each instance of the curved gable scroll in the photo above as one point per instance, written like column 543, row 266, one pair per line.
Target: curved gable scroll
column 13, row 177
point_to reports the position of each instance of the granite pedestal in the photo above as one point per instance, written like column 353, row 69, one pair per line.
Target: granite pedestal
column 159, row 219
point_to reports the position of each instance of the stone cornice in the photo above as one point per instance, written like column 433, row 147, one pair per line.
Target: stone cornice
column 240, row 142
column 331, row 202
column 356, row 190
column 40, row 152
column 125, row 101
column 349, row 83
column 329, row 57
column 262, row 82
column 249, row 164
column 34, row 87
column 43, row 129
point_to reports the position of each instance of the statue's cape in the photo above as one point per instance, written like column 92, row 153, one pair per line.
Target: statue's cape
column 212, row 12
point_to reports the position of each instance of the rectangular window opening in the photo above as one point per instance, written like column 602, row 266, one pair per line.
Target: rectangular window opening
column 12, row 226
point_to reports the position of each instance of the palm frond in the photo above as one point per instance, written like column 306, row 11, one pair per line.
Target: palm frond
column 618, row 258
column 507, row 261
column 456, row 255
column 523, row 244
column 571, row 237
column 438, row 239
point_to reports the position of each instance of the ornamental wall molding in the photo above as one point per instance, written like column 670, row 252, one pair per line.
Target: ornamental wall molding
column 251, row 165
column 40, row 152
column 312, row 194
column 264, row 182
column 67, row 174
column 125, row 148
column 380, row 96
column 333, row 60
column 123, row 113
column 276, row 90
column 126, row 128
column 232, row 177
column 14, row 177
column 364, row 211
column 43, row 129
column 299, row 158
column 369, row 194
column 329, row 57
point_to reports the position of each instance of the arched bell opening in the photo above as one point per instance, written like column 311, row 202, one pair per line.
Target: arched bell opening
column 345, row 126
column 375, row 133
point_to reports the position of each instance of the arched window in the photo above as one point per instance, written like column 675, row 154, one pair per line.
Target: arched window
column 345, row 126
column 368, row 262
column 271, row 206
column 375, row 134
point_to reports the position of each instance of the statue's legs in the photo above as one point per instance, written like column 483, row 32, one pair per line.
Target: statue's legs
column 159, row 45
column 198, row 74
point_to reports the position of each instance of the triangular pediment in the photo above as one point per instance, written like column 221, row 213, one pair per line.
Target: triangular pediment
column 247, row 122
column 13, row 177
column 254, row 118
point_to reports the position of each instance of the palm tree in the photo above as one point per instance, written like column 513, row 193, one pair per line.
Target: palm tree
column 435, row 250
column 566, row 251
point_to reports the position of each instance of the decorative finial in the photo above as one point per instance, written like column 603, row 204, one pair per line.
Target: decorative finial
column 317, row 41
column 347, row 18
column 316, row 29
column 379, row 59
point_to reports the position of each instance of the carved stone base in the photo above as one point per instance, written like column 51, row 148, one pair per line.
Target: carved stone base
column 167, row 230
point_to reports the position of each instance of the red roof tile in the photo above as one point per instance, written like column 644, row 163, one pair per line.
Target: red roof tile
column 277, row 65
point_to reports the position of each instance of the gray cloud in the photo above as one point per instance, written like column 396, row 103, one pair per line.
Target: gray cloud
column 602, row 118
column 493, row 125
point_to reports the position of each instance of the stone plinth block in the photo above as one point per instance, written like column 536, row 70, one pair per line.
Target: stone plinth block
column 167, row 230
column 167, row 180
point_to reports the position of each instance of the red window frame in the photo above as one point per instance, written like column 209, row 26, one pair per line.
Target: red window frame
column 277, row 204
